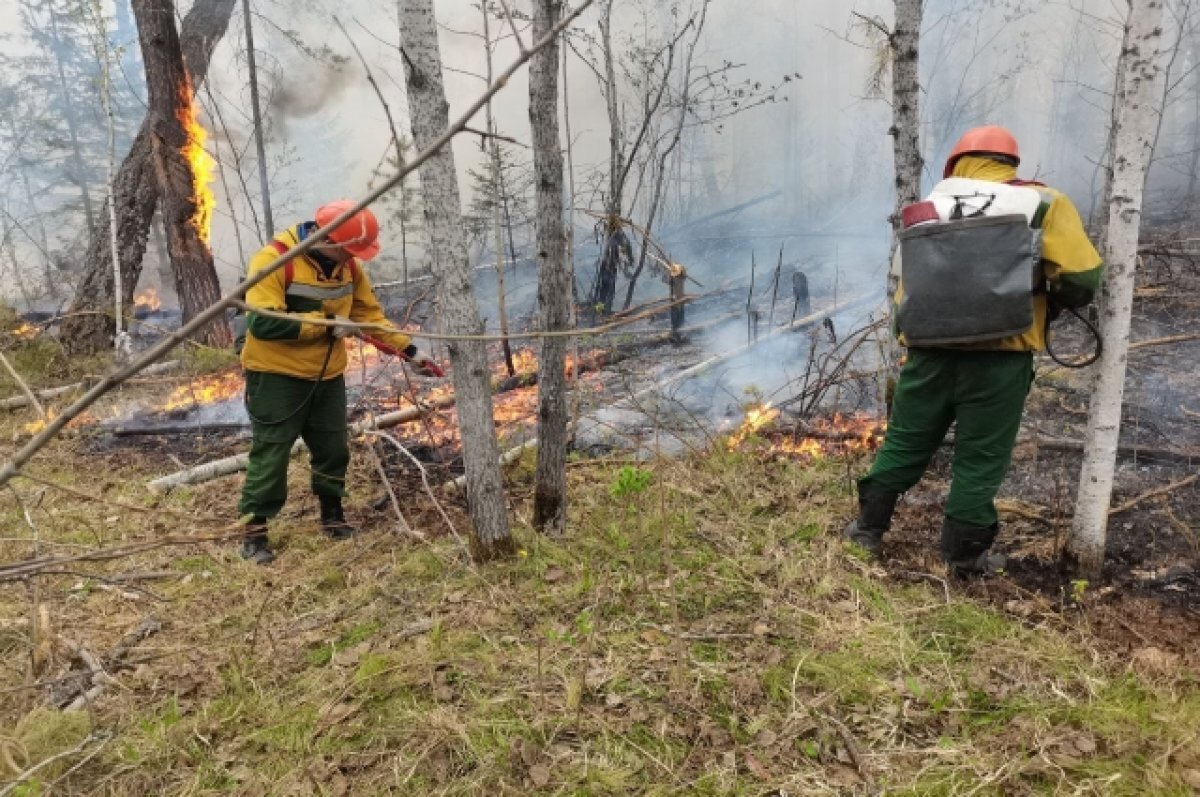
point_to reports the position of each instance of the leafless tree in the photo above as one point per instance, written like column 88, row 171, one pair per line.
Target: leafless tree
column 1136, row 108
column 459, row 311
column 555, row 280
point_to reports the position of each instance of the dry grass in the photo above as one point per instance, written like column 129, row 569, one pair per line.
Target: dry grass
column 701, row 630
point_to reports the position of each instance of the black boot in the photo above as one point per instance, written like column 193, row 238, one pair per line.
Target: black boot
column 254, row 545
column 966, row 548
column 875, row 508
column 333, row 520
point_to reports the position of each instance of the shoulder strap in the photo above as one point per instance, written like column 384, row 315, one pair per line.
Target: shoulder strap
column 289, row 270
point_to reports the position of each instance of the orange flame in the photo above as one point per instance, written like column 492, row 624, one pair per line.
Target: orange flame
column 205, row 390
column 83, row 419
column 525, row 361
column 200, row 161
column 838, row 435
column 756, row 418
column 26, row 331
column 147, row 300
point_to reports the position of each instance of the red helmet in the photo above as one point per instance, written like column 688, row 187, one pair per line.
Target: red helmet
column 358, row 235
column 986, row 140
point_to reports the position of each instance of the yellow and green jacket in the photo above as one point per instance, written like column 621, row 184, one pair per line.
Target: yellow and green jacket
column 292, row 347
column 1072, row 266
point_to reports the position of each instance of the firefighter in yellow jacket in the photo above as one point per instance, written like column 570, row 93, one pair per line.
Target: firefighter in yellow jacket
column 294, row 370
column 984, row 260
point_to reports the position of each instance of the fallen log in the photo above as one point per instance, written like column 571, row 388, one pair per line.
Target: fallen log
column 223, row 467
column 233, row 464
column 17, row 402
column 507, row 458
column 179, row 428
column 1168, row 455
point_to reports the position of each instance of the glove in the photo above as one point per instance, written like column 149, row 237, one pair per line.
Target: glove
column 425, row 365
column 343, row 329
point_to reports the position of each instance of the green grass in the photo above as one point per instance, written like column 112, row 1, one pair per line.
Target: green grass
column 716, row 639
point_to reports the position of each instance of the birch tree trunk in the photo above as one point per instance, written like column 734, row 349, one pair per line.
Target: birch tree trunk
column 906, row 105
column 429, row 111
column 1137, row 107
column 555, row 293
column 122, row 343
column 170, row 98
column 89, row 325
column 905, row 44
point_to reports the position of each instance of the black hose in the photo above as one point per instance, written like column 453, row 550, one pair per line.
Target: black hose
column 302, row 404
column 1088, row 360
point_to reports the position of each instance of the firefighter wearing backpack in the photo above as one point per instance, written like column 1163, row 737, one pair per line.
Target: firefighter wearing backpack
column 294, row 370
column 981, row 262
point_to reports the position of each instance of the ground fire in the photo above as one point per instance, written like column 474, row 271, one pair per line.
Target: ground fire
column 838, row 435
column 147, row 301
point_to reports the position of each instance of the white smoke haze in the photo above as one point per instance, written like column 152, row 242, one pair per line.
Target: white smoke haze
column 820, row 153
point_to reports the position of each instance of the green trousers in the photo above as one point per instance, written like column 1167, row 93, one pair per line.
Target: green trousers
column 283, row 408
column 983, row 394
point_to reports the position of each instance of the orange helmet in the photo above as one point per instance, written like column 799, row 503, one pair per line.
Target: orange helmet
column 986, row 140
column 358, row 235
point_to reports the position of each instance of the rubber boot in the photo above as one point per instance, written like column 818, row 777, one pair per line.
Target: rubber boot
column 333, row 520
column 966, row 549
column 255, row 547
column 875, row 508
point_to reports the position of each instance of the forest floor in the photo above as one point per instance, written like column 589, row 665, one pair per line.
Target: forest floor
column 700, row 629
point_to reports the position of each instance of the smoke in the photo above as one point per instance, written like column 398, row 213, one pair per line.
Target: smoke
column 308, row 89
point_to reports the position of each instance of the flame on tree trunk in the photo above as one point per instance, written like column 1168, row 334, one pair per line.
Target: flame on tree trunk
column 89, row 325
column 180, row 166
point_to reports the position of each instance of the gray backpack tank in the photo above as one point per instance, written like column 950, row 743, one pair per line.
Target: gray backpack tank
column 971, row 275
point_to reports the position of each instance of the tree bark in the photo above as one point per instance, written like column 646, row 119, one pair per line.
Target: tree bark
column 554, row 279
column 1136, row 108
column 429, row 111
column 169, row 90
column 89, row 327
column 605, row 290
column 906, row 105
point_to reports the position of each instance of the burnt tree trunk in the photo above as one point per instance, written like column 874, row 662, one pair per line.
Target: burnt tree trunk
column 554, row 278
column 605, row 291
column 89, row 327
column 170, row 99
column 429, row 111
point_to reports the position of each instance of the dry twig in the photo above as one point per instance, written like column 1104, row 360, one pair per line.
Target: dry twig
column 1157, row 491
